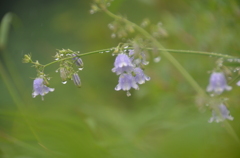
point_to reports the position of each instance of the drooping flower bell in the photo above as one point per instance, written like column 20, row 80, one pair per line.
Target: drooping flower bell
column 140, row 77
column 218, row 83
column 122, row 64
column 39, row 88
column 126, row 82
column 224, row 114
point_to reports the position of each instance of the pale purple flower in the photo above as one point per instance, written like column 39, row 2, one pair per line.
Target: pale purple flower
column 126, row 82
column 39, row 88
column 224, row 114
column 140, row 77
column 218, row 83
column 122, row 64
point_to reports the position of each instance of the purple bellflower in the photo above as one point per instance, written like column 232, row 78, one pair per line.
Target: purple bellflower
column 218, row 83
column 140, row 77
column 122, row 64
column 224, row 114
column 130, row 72
column 126, row 82
column 39, row 88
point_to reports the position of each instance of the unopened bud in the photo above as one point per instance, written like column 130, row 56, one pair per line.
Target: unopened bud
column 78, row 61
column 76, row 80
column 27, row 59
column 63, row 73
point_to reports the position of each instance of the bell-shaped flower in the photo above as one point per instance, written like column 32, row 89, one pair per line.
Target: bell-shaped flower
column 39, row 88
column 126, row 82
column 218, row 83
column 223, row 114
column 122, row 64
column 140, row 77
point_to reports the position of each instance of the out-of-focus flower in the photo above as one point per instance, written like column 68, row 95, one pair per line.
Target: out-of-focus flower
column 224, row 114
column 39, row 88
column 140, row 77
column 76, row 79
column 126, row 82
column 218, row 83
column 122, row 64
column 238, row 83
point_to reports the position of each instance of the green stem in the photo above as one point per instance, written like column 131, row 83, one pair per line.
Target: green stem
column 168, row 50
column 211, row 54
column 79, row 55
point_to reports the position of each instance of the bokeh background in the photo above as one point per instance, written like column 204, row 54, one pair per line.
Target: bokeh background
column 162, row 119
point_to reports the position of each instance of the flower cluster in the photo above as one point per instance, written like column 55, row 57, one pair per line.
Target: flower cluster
column 68, row 60
column 70, row 64
column 130, row 72
column 217, row 84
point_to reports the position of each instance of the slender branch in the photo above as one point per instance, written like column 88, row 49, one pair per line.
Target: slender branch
column 79, row 55
column 169, row 50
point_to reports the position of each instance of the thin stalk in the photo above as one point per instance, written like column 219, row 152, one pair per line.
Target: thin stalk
column 78, row 55
column 212, row 54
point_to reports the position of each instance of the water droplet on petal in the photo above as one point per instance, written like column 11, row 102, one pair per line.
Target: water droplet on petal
column 128, row 94
column 64, row 82
column 157, row 59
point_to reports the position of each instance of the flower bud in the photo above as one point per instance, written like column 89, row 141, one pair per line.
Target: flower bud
column 76, row 80
column 63, row 73
column 27, row 59
column 78, row 61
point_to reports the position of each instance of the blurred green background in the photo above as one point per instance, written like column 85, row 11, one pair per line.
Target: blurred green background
column 160, row 120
